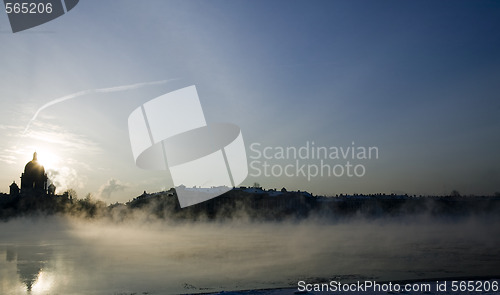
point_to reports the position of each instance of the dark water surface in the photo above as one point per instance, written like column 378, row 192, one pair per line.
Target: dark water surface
column 66, row 256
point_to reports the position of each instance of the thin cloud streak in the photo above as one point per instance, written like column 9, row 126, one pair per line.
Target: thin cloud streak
column 62, row 137
column 91, row 91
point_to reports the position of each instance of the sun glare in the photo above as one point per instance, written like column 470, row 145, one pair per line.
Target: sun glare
column 43, row 283
column 48, row 159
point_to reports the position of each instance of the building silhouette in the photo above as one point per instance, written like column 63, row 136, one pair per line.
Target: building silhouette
column 34, row 181
column 51, row 189
column 14, row 189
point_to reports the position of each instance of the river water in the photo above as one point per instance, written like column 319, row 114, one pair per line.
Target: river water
column 57, row 255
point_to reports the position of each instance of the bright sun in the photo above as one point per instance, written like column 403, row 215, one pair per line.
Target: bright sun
column 47, row 159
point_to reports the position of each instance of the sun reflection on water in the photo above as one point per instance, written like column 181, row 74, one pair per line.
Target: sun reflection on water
column 43, row 283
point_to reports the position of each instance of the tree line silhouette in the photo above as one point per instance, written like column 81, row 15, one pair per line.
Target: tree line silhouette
column 255, row 204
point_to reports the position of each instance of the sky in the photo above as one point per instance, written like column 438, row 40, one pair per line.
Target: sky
column 418, row 80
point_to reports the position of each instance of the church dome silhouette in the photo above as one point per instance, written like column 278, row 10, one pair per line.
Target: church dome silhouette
column 34, row 179
column 33, row 167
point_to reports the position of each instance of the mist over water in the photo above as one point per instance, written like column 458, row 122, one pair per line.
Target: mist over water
column 59, row 255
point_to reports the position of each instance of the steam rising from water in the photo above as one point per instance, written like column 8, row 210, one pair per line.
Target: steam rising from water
column 61, row 255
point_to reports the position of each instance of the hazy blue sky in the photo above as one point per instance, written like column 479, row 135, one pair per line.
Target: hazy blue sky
column 420, row 80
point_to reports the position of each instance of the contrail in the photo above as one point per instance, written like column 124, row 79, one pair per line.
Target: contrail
column 85, row 92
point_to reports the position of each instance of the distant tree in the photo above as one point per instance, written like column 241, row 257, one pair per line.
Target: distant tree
column 71, row 193
column 88, row 197
column 256, row 185
column 283, row 190
column 455, row 193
